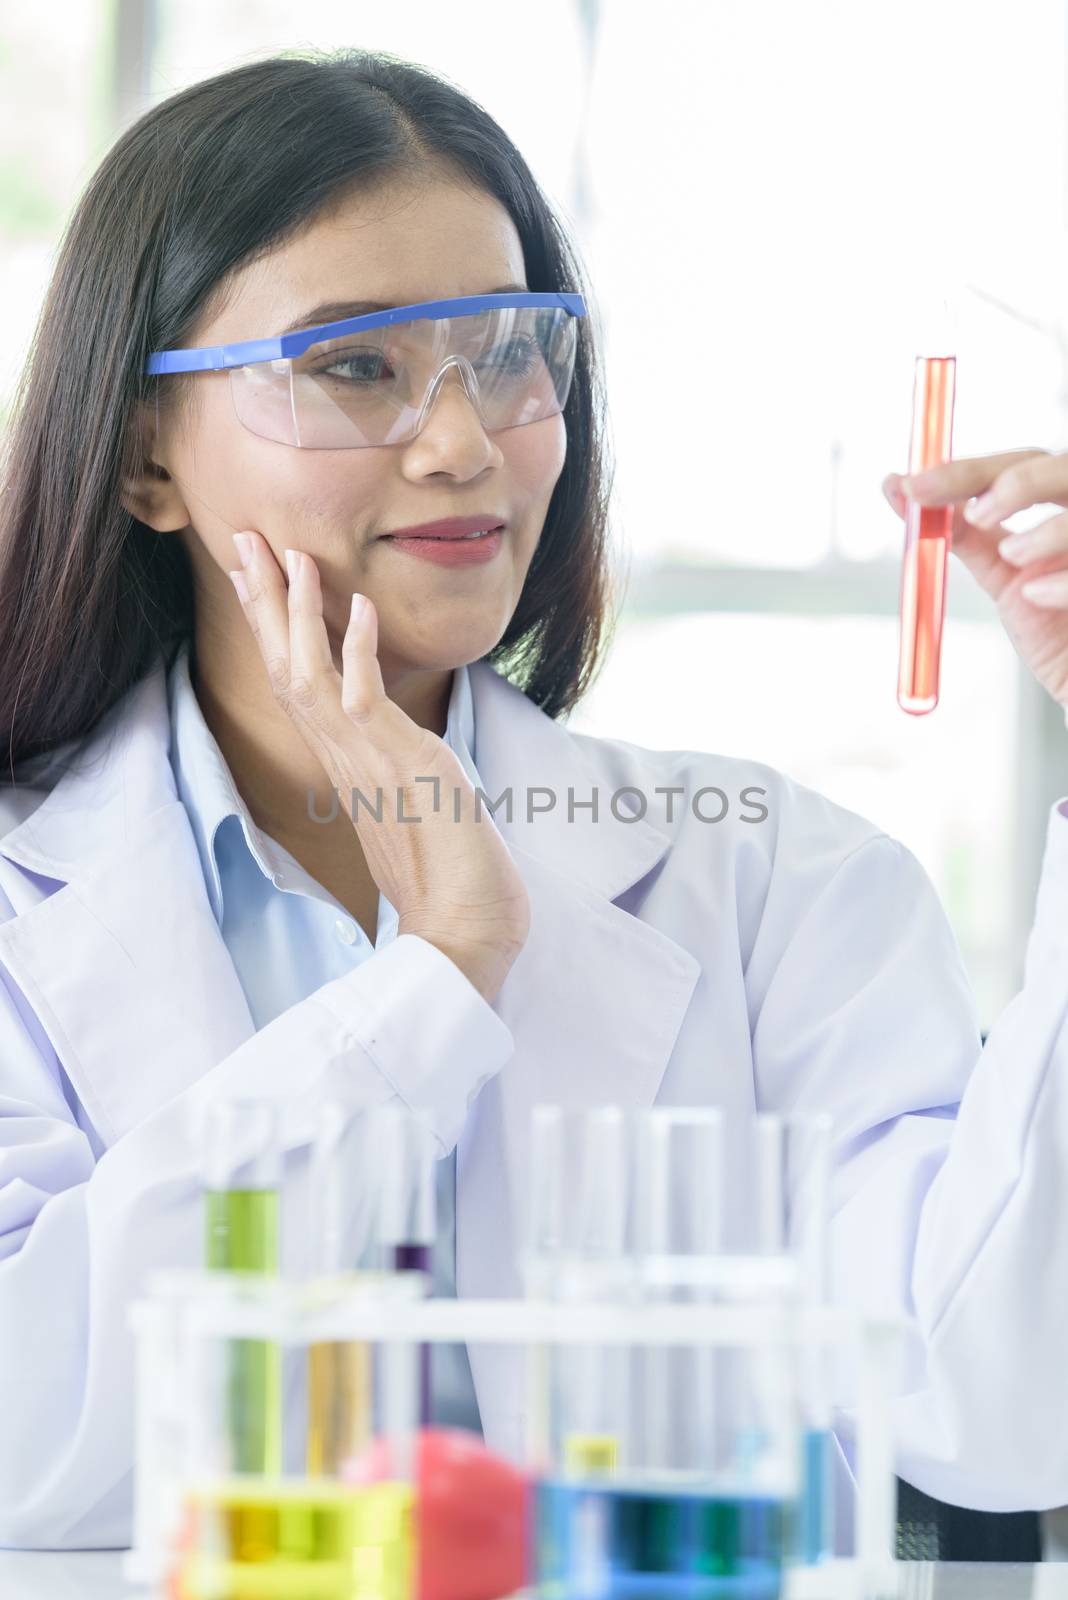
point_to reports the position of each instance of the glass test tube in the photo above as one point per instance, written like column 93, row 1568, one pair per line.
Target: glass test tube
column 790, row 1158
column 407, row 1205
column 160, row 1441
column 242, row 1175
column 576, row 1237
column 343, row 1194
column 928, row 535
column 679, row 1228
column 808, row 1175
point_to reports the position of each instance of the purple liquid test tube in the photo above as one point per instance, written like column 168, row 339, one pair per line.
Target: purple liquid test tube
column 408, row 1213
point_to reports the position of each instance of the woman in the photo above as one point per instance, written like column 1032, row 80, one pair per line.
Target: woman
column 195, row 902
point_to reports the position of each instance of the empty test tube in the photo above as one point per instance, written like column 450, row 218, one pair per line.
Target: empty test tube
column 679, row 1230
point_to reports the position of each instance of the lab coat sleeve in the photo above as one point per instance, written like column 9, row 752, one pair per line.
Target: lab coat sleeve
column 79, row 1234
column 950, row 1194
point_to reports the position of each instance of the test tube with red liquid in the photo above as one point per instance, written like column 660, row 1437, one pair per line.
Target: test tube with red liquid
column 928, row 533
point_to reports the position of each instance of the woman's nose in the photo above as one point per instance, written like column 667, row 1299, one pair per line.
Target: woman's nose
column 453, row 396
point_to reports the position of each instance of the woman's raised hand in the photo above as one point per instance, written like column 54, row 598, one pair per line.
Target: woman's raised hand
column 449, row 875
column 1025, row 573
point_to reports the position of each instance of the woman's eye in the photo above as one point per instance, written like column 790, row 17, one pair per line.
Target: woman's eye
column 362, row 368
column 519, row 356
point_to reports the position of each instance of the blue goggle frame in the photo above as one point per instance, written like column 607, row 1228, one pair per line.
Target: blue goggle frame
column 214, row 358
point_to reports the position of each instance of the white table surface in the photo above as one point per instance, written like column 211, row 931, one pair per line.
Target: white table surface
column 97, row 1575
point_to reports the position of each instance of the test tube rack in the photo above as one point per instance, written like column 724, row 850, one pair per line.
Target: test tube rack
column 182, row 1306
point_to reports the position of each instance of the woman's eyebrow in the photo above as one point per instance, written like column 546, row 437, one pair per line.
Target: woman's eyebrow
column 338, row 310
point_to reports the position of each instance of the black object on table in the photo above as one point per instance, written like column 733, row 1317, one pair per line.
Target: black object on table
column 930, row 1530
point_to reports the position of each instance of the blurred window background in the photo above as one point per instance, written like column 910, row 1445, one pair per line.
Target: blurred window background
column 771, row 189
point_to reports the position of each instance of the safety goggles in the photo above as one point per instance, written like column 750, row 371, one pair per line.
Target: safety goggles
column 371, row 380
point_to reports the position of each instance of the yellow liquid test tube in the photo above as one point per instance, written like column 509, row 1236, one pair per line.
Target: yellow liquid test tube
column 339, row 1404
column 344, row 1181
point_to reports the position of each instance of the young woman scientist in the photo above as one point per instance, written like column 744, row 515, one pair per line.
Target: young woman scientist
column 183, row 670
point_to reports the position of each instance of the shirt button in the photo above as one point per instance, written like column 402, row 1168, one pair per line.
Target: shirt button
column 278, row 879
column 345, row 930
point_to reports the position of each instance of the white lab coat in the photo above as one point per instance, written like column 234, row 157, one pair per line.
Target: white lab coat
column 800, row 962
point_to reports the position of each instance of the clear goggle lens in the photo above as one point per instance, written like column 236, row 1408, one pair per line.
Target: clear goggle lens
column 376, row 386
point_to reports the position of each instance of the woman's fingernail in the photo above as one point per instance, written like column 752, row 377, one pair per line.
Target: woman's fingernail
column 241, row 586
column 981, row 509
column 359, row 606
column 293, row 565
column 244, row 548
column 1052, row 589
column 1022, row 547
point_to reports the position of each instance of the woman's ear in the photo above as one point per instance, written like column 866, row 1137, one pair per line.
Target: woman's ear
column 150, row 493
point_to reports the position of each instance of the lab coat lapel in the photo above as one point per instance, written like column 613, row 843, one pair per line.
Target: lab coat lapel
column 594, row 1001
column 123, row 964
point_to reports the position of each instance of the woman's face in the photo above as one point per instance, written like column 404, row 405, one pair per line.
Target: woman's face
column 423, row 240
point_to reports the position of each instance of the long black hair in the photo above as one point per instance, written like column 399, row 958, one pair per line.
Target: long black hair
column 91, row 598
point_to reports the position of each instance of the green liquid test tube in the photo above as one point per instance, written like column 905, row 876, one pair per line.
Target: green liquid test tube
column 241, row 1235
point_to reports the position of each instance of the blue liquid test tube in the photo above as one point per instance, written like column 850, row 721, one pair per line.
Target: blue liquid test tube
column 790, row 1158
column 808, row 1170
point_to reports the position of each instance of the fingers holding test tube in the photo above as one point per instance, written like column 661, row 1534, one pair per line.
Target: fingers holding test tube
column 985, row 491
column 1025, row 573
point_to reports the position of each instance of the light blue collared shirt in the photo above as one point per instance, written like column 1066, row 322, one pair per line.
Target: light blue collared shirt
column 287, row 936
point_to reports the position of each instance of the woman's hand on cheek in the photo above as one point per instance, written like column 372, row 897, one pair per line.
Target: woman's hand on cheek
column 430, row 847
column 1026, row 573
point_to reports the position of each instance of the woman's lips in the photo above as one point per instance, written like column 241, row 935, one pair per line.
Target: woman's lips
column 450, row 552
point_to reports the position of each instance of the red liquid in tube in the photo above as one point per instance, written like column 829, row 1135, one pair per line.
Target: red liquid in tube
column 928, row 533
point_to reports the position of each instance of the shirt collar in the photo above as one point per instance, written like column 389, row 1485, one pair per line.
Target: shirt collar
column 207, row 789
